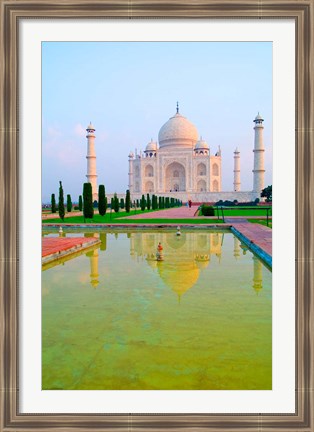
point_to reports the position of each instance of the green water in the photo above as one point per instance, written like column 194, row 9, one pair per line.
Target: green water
column 199, row 320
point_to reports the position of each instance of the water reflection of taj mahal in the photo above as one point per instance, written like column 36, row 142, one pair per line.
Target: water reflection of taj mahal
column 185, row 257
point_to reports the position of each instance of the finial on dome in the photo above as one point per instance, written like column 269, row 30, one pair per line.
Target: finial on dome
column 177, row 107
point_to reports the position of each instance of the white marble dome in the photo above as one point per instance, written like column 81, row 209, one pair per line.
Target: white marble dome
column 151, row 146
column 177, row 131
column 258, row 118
column 201, row 144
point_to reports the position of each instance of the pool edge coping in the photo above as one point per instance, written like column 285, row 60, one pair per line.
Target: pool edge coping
column 257, row 250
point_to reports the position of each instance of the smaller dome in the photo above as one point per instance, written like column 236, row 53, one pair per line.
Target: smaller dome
column 131, row 155
column 201, row 144
column 151, row 146
column 90, row 126
column 258, row 118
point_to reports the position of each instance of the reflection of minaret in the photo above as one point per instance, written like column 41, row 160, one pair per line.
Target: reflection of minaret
column 94, row 268
column 259, row 170
column 236, row 171
column 257, row 274
column 93, row 256
column 236, row 247
column 103, row 239
column 91, row 160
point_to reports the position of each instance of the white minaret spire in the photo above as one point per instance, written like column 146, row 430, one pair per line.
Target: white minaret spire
column 236, row 171
column 259, row 170
column 91, row 160
column 131, row 157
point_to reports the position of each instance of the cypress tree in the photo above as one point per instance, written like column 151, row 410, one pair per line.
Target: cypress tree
column 53, row 203
column 61, row 202
column 69, row 203
column 143, row 203
column 88, row 208
column 159, row 203
column 153, row 202
column 111, row 203
column 167, row 204
column 80, row 203
column 137, row 203
column 102, row 200
column 127, row 201
column 122, row 203
column 148, row 202
column 115, row 203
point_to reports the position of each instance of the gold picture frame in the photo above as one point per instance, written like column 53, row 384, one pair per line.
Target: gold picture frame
column 11, row 12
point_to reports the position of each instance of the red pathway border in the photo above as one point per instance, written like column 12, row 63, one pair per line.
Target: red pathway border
column 58, row 245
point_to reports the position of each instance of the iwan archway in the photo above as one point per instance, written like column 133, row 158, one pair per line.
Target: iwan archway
column 175, row 180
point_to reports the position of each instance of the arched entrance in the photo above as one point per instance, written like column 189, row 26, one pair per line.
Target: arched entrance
column 201, row 186
column 175, row 178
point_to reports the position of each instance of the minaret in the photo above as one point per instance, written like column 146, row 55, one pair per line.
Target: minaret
column 236, row 171
column 131, row 157
column 91, row 160
column 258, row 171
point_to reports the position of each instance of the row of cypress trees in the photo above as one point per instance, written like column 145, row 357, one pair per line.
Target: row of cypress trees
column 158, row 202
column 60, row 207
column 86, row 203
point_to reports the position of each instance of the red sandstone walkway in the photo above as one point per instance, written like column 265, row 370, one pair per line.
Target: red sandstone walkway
column 56, row 247
column 173, row 213
column 257, row 234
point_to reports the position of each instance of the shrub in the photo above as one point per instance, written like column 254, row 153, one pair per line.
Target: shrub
column 207, row 210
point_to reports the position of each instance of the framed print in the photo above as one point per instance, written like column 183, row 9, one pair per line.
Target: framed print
column 30, row 32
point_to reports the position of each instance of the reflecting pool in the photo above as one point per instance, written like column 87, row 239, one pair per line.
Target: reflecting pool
column 116, row 318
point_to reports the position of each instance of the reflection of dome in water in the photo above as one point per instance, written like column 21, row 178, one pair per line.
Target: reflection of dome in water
column 176, row 242
column 179, row 276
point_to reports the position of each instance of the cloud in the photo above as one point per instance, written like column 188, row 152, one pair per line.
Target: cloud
column 53, row 132
column 60, row 149
column 79, row 130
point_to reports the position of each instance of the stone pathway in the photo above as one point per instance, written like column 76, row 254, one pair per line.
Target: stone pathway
column 172, row 213
column 259, row 235
column 57, row 247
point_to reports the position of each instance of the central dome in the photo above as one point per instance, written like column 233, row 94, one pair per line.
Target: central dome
column 178, row 131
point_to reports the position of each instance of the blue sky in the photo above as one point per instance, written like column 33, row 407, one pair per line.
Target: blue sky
column 128, row 90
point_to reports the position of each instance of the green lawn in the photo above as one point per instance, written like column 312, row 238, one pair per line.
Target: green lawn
column 261, row 222
column 244, row 211
column 106, row 217
column 120, row 217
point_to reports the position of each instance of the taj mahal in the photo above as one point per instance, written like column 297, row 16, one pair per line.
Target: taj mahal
column 182, row 165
